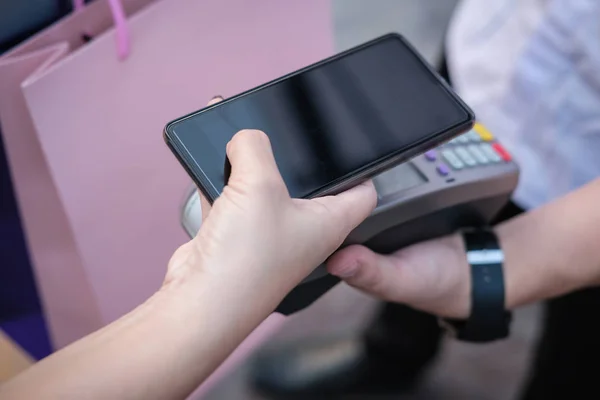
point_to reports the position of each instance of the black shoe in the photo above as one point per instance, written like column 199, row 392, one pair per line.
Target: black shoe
column 327, row 369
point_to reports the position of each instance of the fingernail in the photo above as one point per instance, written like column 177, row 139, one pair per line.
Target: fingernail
column 347, row 270
column 217, row 97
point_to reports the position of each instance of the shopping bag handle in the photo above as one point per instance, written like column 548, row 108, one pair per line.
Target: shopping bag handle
column 121, row 28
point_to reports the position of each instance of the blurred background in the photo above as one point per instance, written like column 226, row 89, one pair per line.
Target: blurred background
column 463, row 371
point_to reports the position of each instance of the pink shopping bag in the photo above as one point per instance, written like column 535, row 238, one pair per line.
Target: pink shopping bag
column 98, row 189
column 65, row 290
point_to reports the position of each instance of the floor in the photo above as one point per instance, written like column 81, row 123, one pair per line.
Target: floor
column 463, row 371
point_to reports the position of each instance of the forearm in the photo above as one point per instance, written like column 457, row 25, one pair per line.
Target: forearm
column 162, row 350
column 554, row 249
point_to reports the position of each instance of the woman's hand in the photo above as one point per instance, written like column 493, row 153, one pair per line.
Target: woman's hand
column 255, row 234
column 253, row 247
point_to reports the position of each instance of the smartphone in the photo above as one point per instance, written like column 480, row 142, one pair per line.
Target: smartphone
column 332, row 124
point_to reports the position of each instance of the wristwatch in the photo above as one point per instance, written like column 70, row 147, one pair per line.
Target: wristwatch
column 489, row 320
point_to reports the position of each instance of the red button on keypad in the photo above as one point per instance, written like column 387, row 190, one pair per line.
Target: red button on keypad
column 501, row 151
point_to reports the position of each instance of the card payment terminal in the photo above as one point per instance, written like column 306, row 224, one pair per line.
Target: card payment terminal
column 463, row 183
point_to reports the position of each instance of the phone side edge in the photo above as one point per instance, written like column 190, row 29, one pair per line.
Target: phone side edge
column 199, row 179
column 445, row 85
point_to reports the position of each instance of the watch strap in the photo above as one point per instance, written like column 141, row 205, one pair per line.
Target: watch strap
column 488, row 319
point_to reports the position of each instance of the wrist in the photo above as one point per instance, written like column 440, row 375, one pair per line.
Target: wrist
column 237, row 289
column 534, row 270
column 520, row 284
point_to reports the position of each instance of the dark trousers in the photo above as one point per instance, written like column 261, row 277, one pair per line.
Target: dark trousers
column 402, row 341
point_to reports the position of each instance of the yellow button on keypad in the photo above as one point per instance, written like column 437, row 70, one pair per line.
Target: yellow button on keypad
column 483, row 132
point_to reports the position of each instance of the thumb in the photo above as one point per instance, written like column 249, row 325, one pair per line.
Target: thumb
column 348, row 209
column 251, row 157
column 375, row 274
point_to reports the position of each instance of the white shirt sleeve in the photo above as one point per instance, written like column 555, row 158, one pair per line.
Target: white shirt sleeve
column 530, row 69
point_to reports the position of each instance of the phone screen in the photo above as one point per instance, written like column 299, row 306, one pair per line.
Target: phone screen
column 329, row 121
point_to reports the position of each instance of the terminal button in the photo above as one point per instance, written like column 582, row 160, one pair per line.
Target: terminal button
column 502, row 151
column 452, row 159
column 462, row 139
column 443, row 170
column 478, row 154
column 484, row 134
column 431, row 155
column 473, row 136
column 466, row 157
column 490, row 153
